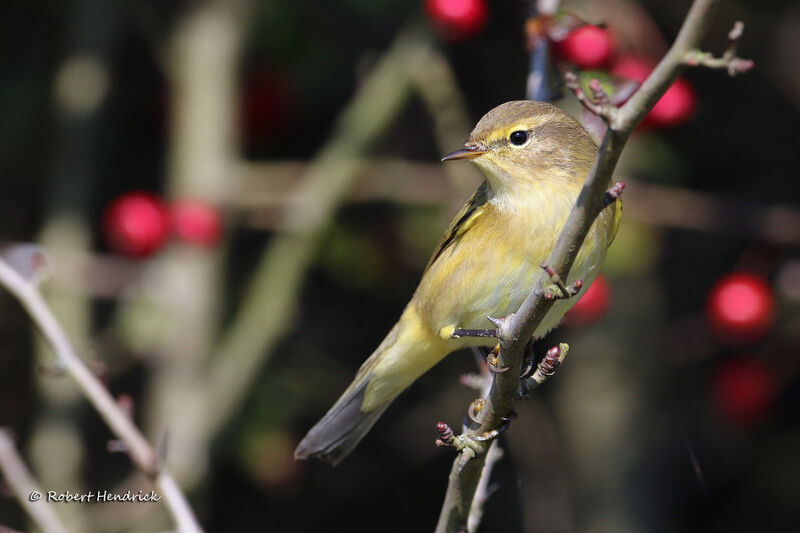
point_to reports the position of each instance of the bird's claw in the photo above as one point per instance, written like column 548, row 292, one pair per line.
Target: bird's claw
column 529, row 362
column 494, row 433
column 492, row 361
column 474, row 410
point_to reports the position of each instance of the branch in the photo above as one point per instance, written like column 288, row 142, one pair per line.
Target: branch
column 203, row 53
column 516, row 330
column 729, row 60
column 140, row 451
column 438, row 89
column 24, row 486
column 272, row 290
column 268, row 185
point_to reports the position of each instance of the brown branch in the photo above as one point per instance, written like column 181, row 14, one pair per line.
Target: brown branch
column 268, row 185
column 515, row 330
column 25, row 488
column 247, row 343
column 140, row 451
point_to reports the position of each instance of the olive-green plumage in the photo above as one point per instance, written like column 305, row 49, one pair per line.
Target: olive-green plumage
column 535, row 159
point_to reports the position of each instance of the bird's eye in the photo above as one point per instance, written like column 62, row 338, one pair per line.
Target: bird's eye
column 518, row 138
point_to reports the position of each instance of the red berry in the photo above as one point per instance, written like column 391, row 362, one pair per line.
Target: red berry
column 135, row 224
column 195, row 222
column 677, row 104
column 591, row 306
column 740, row 307
column 674, row 108
column 744, row 390
column 632, row 67
column 587, row 47
column 456, row 20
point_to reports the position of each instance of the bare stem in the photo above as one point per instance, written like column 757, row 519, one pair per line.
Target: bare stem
column 518, row 328
column 141, row 452
column 427, row 184
column 246, row 345
column 729, row 60
column 25, row 487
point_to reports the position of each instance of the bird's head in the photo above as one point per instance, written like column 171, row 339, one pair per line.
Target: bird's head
column 522, row 142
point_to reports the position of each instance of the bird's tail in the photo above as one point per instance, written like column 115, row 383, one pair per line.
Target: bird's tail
column 403, row 356
column 342, row 427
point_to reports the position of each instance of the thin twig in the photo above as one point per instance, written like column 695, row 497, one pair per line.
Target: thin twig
column 25, row 487
column 484, row 490
column 493, row 455
column 272, row 292
column 438, row 89
column 729, row 61
column 600, row 104
column 140, row 451
column 416, row 183
column 202, row 52
column 546, row 368
column 517, row 329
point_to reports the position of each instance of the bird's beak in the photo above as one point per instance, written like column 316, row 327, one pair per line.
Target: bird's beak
column 470, row 151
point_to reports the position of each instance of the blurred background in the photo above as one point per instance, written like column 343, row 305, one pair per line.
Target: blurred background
column 237, row 199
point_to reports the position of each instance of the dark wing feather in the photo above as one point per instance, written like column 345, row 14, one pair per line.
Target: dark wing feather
column 459, row 223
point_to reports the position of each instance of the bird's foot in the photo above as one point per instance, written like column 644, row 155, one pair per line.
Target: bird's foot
column 475, row 409
column 559, row 290
column 494, row 433
column 491, row 357
column 493, row 362
column 547, row 367
column 613, row 193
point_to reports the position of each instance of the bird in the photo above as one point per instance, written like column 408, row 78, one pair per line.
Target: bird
column 534, row 158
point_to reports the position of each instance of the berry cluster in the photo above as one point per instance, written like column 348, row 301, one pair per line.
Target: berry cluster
column 739, row 313
column 584, row 46
column 590, row 47
column 137, row 224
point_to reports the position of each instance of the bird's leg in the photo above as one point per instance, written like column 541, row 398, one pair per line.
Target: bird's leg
column 613, row 193
column 559, row 290
column 458, row 333
column 491, row 357
column 455, row 332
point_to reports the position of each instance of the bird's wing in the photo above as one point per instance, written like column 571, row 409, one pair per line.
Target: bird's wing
column 462, row 221
column 616, row 216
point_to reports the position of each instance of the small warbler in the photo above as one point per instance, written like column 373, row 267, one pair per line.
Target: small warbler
column 535, row 159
